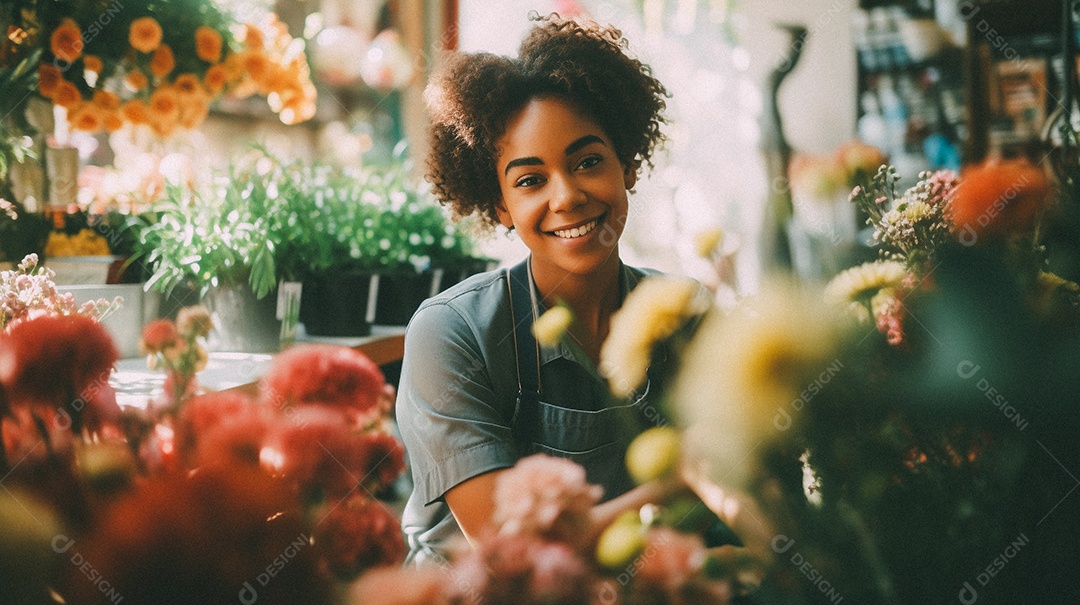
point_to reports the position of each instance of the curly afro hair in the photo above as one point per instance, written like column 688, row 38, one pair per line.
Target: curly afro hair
column 474, row 96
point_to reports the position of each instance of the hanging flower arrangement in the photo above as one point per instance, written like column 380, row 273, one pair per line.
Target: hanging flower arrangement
column 112, row 66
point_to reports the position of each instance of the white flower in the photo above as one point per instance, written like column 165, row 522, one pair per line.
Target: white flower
column 746, row 375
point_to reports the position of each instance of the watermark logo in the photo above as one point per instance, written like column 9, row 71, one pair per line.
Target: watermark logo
column 781, row 544
column 248, row 593
column 782, row 421
column 968, row 593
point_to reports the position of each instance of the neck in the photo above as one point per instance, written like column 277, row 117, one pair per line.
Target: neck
column 592, row 297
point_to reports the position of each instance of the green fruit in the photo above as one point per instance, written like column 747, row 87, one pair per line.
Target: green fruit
column 653, row 454
column 621, row 541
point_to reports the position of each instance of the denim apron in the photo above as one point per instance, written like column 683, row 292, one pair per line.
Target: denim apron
column 595, row 439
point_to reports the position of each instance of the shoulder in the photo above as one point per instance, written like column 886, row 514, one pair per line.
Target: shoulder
column 468, row 309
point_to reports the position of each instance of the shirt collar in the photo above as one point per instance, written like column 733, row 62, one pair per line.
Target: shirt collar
column 628, row 280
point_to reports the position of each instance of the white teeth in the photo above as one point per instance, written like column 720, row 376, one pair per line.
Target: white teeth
column 577, row 231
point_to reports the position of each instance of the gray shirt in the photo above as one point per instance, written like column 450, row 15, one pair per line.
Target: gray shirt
column 457, row 393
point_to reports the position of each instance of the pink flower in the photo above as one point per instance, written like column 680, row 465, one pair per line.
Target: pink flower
column 395, row 586
column 316, row 450
column 358, row 534
column 157, row 336
column 384, row 459
column 670, row 559
column 522, row 569
column 327, row 374
column 546, row 496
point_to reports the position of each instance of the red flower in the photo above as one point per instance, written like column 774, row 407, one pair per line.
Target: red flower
column 157, row 336
column 358, row 534
column 202, row 537
column 235, row 439
column 205, row 412
column 316, row 450
column 998, row 198
column 327, row 374
column 384, row 459
column 61, row 361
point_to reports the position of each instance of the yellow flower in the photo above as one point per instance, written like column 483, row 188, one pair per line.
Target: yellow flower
column 550, row 327
column 654, row 310
column 106, row 100
column 93, row 63
column 917, row 211
column 49, row 79
column 145, row 34
column 858, row 283
column 747, row 374
column 162, row 61
column 208, row 44
column 136, row 80
column 66, row 42
column 66, row 95
column 707, row 241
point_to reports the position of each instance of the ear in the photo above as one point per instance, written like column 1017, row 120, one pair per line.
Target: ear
column 504, row 214
column 630, row 176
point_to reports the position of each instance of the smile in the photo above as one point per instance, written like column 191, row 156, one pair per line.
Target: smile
column 578, row 231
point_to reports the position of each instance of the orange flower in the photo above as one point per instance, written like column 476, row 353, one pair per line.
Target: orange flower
column 85, row 117
column 106, row 100
column 49, row 78
column 136, row 111
column 253, row 37
column 66, row 42
column 92, row 63
column 215, row 78
column 194, row 111
column 112, row 121
column 164, row 105
column 998, row 198
column 162, row 62
column 136, row 80
column 188, row 85
column 66, row 95
column 255, row 64
column 208, row 44
column 145, row 35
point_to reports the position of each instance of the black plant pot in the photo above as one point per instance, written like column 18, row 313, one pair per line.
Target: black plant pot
column 400, row 294
column 337, row 304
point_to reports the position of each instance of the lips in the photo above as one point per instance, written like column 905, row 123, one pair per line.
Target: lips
column 578, row 231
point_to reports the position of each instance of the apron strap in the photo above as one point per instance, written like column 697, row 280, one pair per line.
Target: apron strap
column 527, row 351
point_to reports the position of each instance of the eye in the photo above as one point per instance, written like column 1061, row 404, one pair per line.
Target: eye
column 590, row 161
column 528, row 181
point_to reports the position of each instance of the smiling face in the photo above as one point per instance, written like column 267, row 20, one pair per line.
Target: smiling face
column 563, row 189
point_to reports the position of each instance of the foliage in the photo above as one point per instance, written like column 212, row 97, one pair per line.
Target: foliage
column 272, row 220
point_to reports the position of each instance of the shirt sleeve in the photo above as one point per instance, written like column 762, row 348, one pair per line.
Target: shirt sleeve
column 451, row 423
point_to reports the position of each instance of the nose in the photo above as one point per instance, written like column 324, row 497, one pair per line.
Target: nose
column 566, row 194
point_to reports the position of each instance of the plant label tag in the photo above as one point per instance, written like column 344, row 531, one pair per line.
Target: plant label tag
column 288, row 297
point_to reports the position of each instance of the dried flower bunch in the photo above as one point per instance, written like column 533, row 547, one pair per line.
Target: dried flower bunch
column 28, row 291
column 128, row 69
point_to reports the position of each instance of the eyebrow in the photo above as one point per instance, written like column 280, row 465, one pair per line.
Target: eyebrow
column 577, row 145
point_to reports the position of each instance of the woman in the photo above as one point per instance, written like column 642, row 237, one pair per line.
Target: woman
column 547, row 144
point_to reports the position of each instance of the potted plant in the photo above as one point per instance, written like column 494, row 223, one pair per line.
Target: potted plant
column 230, row 246
column 371, row 245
